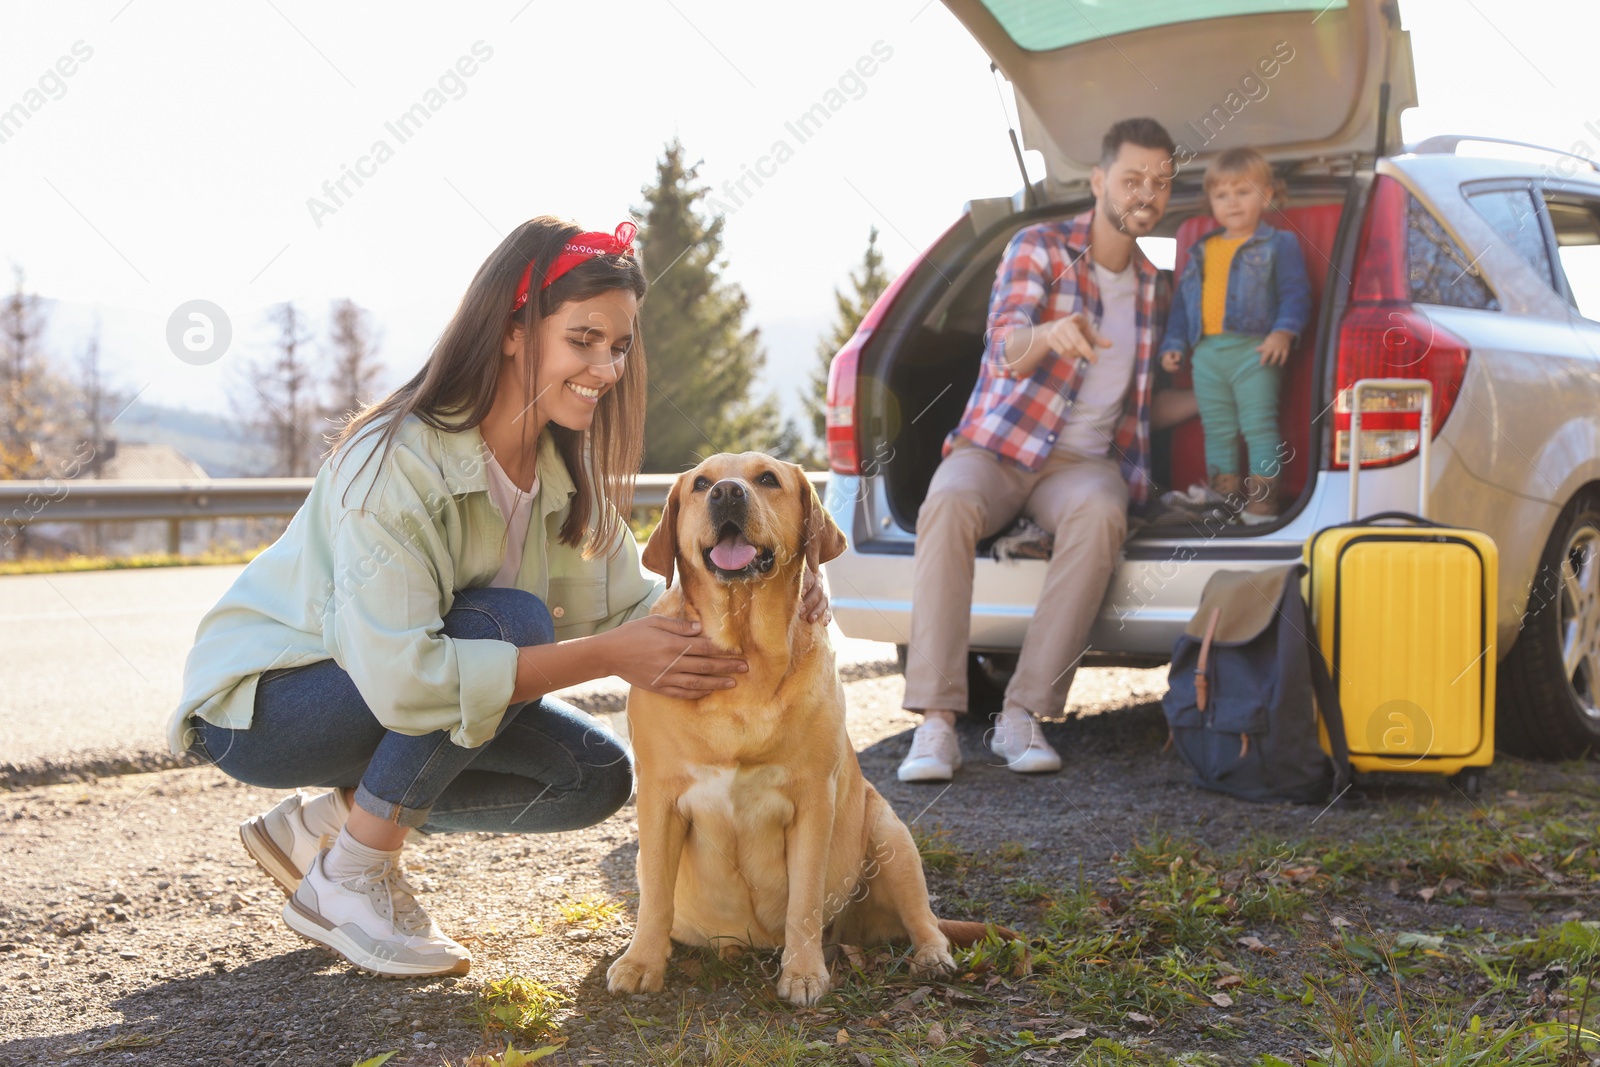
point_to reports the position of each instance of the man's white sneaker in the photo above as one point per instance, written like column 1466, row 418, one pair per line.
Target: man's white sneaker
column 374, row 921
column 1017, row 739
column 281, row 842
column 935, row 753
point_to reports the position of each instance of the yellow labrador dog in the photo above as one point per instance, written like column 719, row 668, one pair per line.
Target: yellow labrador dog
column 756, row 827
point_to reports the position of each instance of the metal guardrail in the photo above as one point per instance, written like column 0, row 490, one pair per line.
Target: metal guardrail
column 176, row 501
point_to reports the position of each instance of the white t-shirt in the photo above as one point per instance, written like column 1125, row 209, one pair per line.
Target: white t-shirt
column 517, row 508
column 1091, row 421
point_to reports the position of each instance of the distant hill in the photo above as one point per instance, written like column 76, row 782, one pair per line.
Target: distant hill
column 212, row 441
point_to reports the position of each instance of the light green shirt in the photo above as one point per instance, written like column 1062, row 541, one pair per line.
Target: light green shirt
column 369, row 587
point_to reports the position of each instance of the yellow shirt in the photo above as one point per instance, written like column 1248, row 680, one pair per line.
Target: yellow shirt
column 1214, row 280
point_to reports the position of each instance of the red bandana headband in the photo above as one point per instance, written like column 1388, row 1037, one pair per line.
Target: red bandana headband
column 582, row 247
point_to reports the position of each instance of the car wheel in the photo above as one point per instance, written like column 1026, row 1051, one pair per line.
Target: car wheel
column 1548, row 687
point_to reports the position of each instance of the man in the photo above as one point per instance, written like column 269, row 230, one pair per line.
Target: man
column 1057, row 428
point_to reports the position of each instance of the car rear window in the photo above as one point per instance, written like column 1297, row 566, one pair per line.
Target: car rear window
column 1438, row 270
column 1515, row 217
column 1042, row 25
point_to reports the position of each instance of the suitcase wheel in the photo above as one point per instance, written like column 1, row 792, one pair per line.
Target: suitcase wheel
column 1469, row 781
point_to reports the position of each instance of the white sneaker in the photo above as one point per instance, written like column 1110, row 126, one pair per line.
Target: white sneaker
column 935, row 753
column 280, row 841
column 1017, row 739
column 374, row 921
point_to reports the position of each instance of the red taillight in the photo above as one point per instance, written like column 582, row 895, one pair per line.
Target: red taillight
column 1384, row 335
column 844, row 450
column 843, row 418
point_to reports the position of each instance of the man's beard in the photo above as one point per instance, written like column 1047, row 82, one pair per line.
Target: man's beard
column 1119, row 219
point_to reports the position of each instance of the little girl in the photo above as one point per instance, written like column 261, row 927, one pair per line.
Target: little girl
column 462, row 554
column 1241, row 304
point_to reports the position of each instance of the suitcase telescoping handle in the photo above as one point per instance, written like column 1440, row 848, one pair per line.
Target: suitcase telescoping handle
column 1424, row 434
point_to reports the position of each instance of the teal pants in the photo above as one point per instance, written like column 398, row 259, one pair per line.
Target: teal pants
column 1237, row 395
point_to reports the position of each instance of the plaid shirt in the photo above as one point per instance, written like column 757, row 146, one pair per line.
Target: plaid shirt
column 1046, row 275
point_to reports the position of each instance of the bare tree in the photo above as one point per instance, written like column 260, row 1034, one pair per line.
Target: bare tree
column 353, row 378
column 24, row 419
column 280, row 406
column 99, row 402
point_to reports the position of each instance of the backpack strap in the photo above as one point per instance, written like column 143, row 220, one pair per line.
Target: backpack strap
column 1327, row 704
column 1202, row 685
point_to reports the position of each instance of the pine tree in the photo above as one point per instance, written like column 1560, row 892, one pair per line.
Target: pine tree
column 865, row 287
column 703, row 359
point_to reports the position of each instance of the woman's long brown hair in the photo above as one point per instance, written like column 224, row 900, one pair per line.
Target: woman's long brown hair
column 463, row 371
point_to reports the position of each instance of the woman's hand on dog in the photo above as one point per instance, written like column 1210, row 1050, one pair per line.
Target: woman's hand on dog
column 813, row 600
column 664, row 656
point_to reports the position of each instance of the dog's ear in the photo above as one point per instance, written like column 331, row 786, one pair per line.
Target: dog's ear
column 661, row 551
column 822, row 537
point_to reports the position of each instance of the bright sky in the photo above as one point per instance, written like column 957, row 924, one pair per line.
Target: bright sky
column 176, row 161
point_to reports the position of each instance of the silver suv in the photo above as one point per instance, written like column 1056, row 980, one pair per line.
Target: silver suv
column 1479, row 274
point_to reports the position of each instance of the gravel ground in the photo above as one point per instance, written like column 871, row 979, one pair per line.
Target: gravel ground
column 134, row 929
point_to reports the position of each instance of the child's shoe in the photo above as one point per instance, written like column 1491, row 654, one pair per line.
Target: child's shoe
column 1230, row 488
column 1262, row 500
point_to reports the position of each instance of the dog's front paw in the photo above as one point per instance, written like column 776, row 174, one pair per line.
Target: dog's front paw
column 633, row 972
column 933, row 960
column 803, row 985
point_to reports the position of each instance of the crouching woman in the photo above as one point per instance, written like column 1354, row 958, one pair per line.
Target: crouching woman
column 462, row 554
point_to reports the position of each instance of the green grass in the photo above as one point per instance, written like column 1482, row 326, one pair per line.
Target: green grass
column 940, row 852
column 1550, row 845
column 591, row 910
column 113, row 563
column 522, row 1007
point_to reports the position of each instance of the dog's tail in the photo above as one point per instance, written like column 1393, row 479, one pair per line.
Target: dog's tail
column 966, row 934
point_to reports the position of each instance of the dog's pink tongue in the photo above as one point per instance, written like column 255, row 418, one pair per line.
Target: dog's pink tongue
column 733, row 553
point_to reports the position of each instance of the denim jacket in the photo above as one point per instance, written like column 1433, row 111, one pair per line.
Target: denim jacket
column 1267, row 290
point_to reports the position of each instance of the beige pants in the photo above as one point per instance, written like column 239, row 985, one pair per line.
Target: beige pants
column 1083, row 501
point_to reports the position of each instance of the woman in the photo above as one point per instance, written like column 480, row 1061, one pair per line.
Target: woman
column 400, row 648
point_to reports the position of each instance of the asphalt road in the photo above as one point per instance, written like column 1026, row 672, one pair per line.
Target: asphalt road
column 91, row 664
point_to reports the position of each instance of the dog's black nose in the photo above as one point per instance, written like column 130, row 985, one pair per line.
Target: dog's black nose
column 727, row 488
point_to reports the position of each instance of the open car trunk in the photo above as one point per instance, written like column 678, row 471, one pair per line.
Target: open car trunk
column 1294, row 79
column 929, row 361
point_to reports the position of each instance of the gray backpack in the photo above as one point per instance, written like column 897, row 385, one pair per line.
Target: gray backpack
column 1239, row 702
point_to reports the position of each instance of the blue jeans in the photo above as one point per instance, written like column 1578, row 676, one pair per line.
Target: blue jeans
column 547, row 768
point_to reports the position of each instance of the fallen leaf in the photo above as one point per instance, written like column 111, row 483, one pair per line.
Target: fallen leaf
column 1426, row 894
column 1221, row 1000
column 1143, row 1020
column 1228, row 980
column 936, row 1036
column 912, row 999
column 1255, row 944
column 1339, row 922
column 855, row 957
column 842, row 1037
column 1073, row 1034
column 1412, row 939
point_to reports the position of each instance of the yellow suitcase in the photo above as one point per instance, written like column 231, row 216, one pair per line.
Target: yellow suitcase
column 1405, row 616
